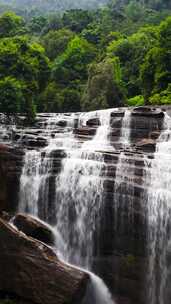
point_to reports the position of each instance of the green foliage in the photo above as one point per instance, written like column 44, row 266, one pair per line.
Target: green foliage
column 104, row 87
column 11, row 96
column 70, row 101
column 134, row 10
column 131, row 52
column 72, row 64
column 55, row 42
column 76, row 20
column 156, row 71
column 161, row 98
column 57, row 99
column 165, row 33
column 136, row 101
column 27, row 63
column 36, row 24
column 66, row 60
column 10, row 25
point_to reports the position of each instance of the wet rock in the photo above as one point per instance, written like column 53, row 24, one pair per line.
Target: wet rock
column 58, row 153
column 34, row 228
column 10, row 170
column 34, row 141
column 93, row 122
column 62, row 123
column 147, row 145
column 154, row 135
column 31, row 270
column 119, row 113
column 148, row 111
column 5, row 216
column 85, row 131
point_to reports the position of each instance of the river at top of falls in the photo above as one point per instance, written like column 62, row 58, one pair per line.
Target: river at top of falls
column 79, row 192
column 159, row 218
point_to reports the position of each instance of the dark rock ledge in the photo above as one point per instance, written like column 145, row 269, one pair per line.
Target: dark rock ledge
column 31, row 271
column 34, row 228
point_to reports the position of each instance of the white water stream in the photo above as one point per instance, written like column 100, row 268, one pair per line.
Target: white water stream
column 79, row 194
column 159, row 217
column 79, row 189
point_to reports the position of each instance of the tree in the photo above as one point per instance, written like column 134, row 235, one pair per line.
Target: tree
column 156, row 69
column 11, row 95
column 104, row 88
column 131, row 52
column 77, row 19
column 73, row 63
column 55, row 42
column 27, row 63
column 37, row 24
column 11, row 25
column 165, row 33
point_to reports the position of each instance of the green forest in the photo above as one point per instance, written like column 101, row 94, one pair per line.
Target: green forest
column 79, row 59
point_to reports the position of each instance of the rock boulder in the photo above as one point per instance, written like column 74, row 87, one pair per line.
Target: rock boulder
column 34, row 228
column 31, row 270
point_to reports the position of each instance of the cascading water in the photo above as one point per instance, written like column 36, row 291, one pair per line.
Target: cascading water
column 123, row 177
column 159, row 218
column 34, row 182
column 125, row 130
column 79, row 194
column 37, row 168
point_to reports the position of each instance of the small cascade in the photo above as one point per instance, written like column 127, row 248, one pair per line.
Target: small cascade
column 123, row 192
column 125, row 130
column 34, row 182
column 79, row 189
column 38, row 165
column 97, row 292
column 159, row 218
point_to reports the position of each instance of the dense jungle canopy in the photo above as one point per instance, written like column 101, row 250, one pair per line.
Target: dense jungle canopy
column 58, row 56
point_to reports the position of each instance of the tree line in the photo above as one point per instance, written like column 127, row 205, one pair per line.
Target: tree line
column 119, row 54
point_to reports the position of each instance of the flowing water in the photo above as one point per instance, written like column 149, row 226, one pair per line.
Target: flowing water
column 123, row 192
column 159, row 217
column 125, row 130
column 79, row 192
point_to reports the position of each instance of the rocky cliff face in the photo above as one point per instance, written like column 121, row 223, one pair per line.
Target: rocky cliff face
column 120, row 242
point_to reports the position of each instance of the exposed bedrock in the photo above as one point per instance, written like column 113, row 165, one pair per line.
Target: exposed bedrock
column 10, row 171
column 34, row 228
column 32, row 272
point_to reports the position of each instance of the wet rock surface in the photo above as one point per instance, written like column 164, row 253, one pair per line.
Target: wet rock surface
column 34, row 228
column 32, row 272
column 10, row 171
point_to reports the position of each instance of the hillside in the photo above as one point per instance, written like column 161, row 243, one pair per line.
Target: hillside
column 51, row 5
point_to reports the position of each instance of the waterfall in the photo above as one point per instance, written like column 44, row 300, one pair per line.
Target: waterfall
column 159, row 217
column 79, row 191
column 37, row 168
column 34, row 182
column 97, row 292
column 124, row 175
column 125, row 130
